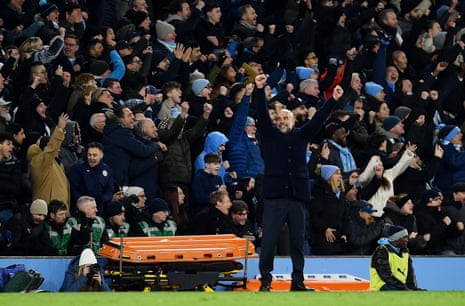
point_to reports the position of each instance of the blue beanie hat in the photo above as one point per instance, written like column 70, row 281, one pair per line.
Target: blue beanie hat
column 394, row 232
column 327, row 171
column 46, row 9
column 389, row 122
column 448, row 132
column 113, row 209
column 372, row 88
column 249, row 121
column 157, row 205
column 428, row 195
column 198, row 85
column 304, row 73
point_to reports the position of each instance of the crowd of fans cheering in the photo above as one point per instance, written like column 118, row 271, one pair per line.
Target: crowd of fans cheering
column 137, row 118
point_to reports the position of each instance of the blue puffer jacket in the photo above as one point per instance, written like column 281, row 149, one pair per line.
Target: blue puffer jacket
column 244, row 154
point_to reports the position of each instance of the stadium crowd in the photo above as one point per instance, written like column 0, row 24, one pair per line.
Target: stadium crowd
column 138, row 118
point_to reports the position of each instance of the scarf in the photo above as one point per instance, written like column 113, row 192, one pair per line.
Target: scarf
column 347, row 160
column 170, row 45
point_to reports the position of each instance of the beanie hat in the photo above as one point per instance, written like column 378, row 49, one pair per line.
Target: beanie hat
column 389, row 122
column 157, row 205
column 133, row 190
column 407, row 5
column 138, row 17
column 163, row 29
column 401, row 202
column 97, row 93
column 157, row 57
column 198, row 85
column 372, row 88
column 402, row 112
column 303, row 73
column 249, row 121
column 235, row 89
column 35, row 101
column 327, row 171
column 448, row 132
column 428, row 195
column 38, row 207
column 114, row 209
column 394, row 232
column 46, row 9
column 98, row 67
column 87, row 257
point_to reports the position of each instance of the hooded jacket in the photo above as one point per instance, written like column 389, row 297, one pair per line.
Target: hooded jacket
column 212, row 143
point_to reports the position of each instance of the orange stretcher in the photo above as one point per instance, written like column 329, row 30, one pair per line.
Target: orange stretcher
column 176, row 262
column 152, row 250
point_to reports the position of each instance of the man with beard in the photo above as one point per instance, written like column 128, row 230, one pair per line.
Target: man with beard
column 339, row 153
column 286, row 182
column 58, row 230
column 91, row 176
column 27, row 230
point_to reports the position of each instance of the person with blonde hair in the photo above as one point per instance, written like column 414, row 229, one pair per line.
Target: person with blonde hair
column 329, row 213
column 84, row 273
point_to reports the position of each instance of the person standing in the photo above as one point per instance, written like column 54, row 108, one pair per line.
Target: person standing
column 286, row 182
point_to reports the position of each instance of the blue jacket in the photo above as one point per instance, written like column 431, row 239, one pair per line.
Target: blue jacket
column 120, row 146
column 286, row 174
column 452, row 169
column 244, row 154
column 97, row 182
column 203, row 184
column 73, row 283
column 213, row 141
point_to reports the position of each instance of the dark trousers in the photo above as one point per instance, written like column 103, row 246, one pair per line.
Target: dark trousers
column 276, row 212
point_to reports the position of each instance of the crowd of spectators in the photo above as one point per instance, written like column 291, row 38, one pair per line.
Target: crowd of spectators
column 138, row 118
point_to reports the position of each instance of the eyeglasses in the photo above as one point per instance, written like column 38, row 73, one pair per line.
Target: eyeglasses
column 244, row 213
column 41, row 72
column 142, row 196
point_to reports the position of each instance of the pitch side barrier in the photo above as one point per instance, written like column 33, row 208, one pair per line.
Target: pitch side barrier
column 433, row 273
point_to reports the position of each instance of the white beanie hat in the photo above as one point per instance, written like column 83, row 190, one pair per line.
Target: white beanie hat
column 87, row 257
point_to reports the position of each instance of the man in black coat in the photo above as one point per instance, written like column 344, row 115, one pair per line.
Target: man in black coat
column 286, row 181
